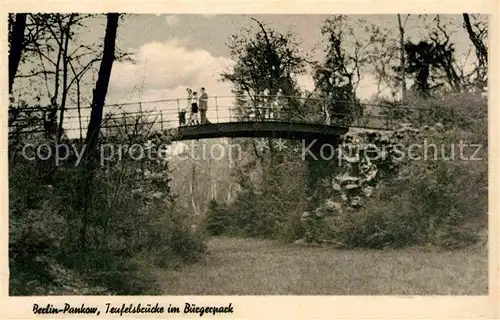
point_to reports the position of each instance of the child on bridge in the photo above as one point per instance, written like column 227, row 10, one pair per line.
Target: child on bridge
column 194, row 110
column 182, row 117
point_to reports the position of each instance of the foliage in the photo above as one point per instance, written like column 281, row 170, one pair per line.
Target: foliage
column 378, row 196
column 267, row 63
column 133, row 224
column 337, row 77
column 264, row 79
column 440, row 199
column 218, row 219
column 429, row 205
column 424, row 57
column 262, row 207
column 66, row 239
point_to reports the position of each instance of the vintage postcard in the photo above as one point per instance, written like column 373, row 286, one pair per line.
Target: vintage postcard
column 237, row 160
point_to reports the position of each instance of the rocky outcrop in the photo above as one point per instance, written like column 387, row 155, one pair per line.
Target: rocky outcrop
column 367, row 159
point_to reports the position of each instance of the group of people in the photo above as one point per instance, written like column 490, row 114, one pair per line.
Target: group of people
column 196, row 105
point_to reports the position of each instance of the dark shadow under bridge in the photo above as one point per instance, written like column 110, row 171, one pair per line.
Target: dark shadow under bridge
column 275, row 129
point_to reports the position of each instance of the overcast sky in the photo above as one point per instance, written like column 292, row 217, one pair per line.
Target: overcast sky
column 172, row 52
column 176, row 51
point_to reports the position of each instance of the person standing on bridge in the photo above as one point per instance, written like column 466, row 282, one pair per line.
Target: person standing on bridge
column 182, row 117
column 189, row 97
column 194, row 109
column 203, row 106
column 326, row 114
column 182, row 112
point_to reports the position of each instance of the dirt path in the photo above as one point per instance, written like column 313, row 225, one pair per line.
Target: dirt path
column 237, row 266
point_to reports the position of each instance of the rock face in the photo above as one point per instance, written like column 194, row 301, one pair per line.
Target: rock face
column 366, row 159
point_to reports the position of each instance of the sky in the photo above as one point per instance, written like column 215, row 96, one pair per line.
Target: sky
column 173, row 52
column 177, row 51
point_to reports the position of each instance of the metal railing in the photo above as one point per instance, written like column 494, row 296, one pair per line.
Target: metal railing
column 174, row 113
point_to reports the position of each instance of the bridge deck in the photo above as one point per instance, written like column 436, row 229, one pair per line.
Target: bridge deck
column 283, row 130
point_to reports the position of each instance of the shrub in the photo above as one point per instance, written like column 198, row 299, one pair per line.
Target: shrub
column 218, row 219
column 113, row 237
column 426, row 207
column 440, row 201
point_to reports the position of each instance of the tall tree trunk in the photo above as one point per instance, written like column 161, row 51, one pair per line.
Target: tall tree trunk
column 214, row 190
column 402, row 58
column 230, row 182
column 59, row 56
column 52, row 115
column 481, row 50
column 101, row 88
column 94, row 126
column 78, row 106
column 192, row 189
column 16, row 47
column 67, row 34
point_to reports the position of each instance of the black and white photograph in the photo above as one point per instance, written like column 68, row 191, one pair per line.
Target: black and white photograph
column 176, row 154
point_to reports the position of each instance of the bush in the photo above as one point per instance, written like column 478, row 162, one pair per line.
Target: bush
column 437, row 201
column 430, row 206
column 440, row 200
column 271, row 215
column 293, row 228
column 465, row 112
column 271, row 199
column 218, row 220
column 113, row 237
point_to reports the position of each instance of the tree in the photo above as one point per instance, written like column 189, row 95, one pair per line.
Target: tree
column 402, row 55
column 432, row 61
column 478, row 33
column 57, row 60
column 101, row 87
column 264, row 76
column 94, row 127
column 265, row 84
column 207, row 178
column 381, row 58
column 420, row 58
column 267, row 63
column 447, row 62
column 16, row 42
column 48, row 54
column 337, row 77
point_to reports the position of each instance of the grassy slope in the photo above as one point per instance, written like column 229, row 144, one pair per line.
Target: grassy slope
column 261, row 267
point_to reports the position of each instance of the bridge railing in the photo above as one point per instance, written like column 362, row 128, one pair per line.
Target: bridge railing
column 165, row 114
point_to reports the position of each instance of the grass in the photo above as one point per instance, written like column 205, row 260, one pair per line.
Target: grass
column 236, row 266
